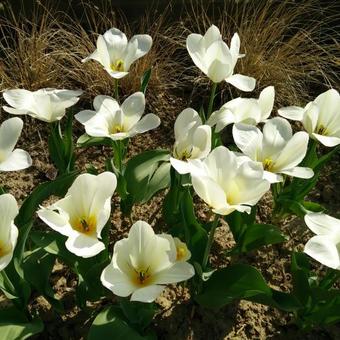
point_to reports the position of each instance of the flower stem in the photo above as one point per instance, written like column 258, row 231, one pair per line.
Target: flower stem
column 117, row 90
column 212, row 98
column 210, row 241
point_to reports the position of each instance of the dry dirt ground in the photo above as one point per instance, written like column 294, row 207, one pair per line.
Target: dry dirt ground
column 176, row 318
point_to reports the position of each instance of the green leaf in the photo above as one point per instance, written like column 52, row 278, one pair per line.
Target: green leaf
column 110, row 324
column 241, row 281
column 85, row 141
column 146, row 174
column 15, row 326
column 145, row 80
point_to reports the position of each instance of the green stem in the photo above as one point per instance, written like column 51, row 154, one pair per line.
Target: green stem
column 212, row 98
column 210, row 242
column 117, row 90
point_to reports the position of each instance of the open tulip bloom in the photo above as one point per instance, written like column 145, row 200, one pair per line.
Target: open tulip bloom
column 12, row 159
column 83, row 213
column 228, row 182
column 143, row 263
column 325, row 246
column 244, row 110
column 192, row 140
column 277, row 149
column 320, row 118
column 48, row 105
column 116, row 54
column 215, row 59
column 8, row 230
column 117, row 122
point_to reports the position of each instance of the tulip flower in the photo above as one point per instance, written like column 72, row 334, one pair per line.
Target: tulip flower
column 193, row 140
column 320, row 118
column 12, row 159
column 117, row 122
column 244, row 110
column 143, row 263
column 277, row 149
column 116, row 54
column 48, row 105
column 215, row 59
column 83, row 213
column 8, row 230
column 324, row 247
column 228, row 182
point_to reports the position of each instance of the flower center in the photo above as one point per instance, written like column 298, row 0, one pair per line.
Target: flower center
column 4, row 249
column 143, row 277
column 184, row 155
column 268, row 164
column 321, row 130
column 86, row 225
column 116, row 129
column 182, row 252
column 118, row 66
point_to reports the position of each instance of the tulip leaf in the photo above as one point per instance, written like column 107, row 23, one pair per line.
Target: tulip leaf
column 145, row 80
column 14, row 325
column 109, row 324
column 85, row 141
column 146, row 174
column 241, row 281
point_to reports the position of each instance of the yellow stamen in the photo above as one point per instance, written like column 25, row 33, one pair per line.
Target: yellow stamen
column 182, row 252
column 321, row 130
column 85, row 225
column 115, row 129
column 268, row 164
column 143, row 277
column 4, row 249
column 118, row 66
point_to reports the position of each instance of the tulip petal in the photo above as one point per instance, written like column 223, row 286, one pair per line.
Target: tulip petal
column 211, row 35
column 18, row 98
column 292, row 112
column 235, row 44
column 221, row 119
column 147, row 294
column 10, row 131
column 328, row 141
column 105, row 103
column 133, row 108
column 103, row 52
column 8, row 211
column 13, row 237
column 266, row 101
column 322, row 249
column 148, row 122
column 195, row 47
column 300, row 172
column 17, row 160
column 322, row 224
column 116, row 281
column 201, row 142
column 243, row 83
column 85, row 115
column 186, row 121
column 182, row 167
column 272, row 177
column 248, row 139
column 144, row 43
column 293, row 153
column 180, row 271
column 84, row 246
column 310, row 118
column 328, row 103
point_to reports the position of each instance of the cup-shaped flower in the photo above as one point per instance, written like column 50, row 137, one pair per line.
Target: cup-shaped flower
column 143, row 263
column 244, row 110
column 12, row 159
column 320, row 118
column 82, row 214
column 48, row 105
column 325, row 246
column 215, row 59
column 228, row 182
column 192, row 140
column 277, row 149
column 117, row 122
column 116, row 54
column 8, row 230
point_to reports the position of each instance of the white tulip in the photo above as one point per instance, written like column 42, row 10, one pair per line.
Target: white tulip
column 116, row 54
column 244, row 110
column 117, row 122
column 192, row 140
column 143, row 263
column 48, row 105
column 12, row 159
column 278, row 150
column 8, row 230
column 320, row 118
column 228, row 182
column 325, row 246
column 83, row 213
column 215, row 59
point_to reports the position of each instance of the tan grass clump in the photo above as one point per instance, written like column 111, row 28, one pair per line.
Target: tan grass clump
column 291, row 45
